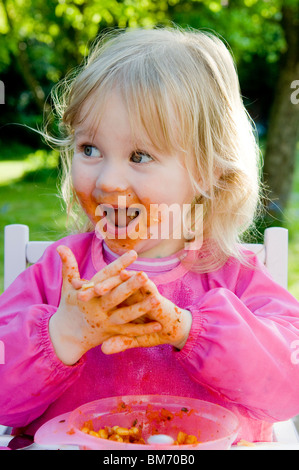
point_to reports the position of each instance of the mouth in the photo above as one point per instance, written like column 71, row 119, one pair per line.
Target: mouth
column 120, row 216
column 121, row 221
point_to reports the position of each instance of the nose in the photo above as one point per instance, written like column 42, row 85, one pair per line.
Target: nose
column 112, row 178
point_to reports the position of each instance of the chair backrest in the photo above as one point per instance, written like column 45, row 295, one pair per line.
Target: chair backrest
column 273, row 253
column 19, row 252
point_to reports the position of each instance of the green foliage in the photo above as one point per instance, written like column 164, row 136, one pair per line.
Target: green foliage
column 250, row 27
column 40, row 41
column 57, row 33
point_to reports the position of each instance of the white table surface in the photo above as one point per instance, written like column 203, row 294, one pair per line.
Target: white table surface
column 5, row 439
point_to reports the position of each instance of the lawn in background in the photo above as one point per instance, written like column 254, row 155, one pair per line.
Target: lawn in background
column 29, row 195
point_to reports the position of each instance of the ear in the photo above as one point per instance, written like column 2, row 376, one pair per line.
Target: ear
column 207, row 185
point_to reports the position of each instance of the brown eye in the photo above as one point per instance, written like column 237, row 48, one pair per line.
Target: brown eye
column 140, row 157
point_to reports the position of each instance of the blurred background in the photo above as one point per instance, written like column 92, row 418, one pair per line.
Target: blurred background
column 41, row 40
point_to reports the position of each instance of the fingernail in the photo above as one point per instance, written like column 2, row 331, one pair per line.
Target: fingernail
column 132, row 254
column 58, row 249
column 62, row 253
column 142, row 275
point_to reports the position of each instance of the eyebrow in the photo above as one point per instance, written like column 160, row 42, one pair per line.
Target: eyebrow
column 80, row 132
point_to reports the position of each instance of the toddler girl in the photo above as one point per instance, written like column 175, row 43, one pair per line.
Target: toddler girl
column 154, row 293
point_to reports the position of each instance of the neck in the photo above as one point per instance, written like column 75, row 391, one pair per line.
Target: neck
column 162, row 250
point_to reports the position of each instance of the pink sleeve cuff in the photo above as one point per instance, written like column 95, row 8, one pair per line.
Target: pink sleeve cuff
column 194, row 335
column 55, row 364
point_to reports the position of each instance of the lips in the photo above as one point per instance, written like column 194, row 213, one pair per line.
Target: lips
column 122, row 218
column 119, row 216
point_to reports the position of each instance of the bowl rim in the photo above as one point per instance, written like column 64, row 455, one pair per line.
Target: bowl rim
column 230, row 434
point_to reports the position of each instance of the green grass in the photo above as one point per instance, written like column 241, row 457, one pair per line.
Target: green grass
column 33, row 203
column 29, row 195
column 31, row 164
column 13, row 170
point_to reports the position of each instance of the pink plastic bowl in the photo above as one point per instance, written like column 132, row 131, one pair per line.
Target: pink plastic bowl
column 214, row 426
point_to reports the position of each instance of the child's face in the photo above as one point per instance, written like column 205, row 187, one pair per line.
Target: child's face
column 110, row 176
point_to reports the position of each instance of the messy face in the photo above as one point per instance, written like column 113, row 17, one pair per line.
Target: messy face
column 133, row 194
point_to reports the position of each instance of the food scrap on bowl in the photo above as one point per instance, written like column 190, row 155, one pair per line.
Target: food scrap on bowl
column 132, row 435
column 116, row 433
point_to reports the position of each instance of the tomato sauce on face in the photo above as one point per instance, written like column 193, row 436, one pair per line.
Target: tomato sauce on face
column 147, row 227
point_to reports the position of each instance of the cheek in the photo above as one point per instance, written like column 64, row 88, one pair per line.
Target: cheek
column 80, row 178
column 178, row 191
column 89, row 205
column 83, row 186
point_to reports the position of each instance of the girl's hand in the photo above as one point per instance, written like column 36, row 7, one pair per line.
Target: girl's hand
column 80, row 322
column 175, row 322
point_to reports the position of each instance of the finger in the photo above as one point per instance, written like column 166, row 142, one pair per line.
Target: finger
column 135, row 329
column 71, row 297
column 109, row 271
column 130, row 313
column 150, row 288
column 78, row 283
column 115, row 267
column 120, row 343
column 70, row 269
column 133, row 299
column 90, row 290
column 86, row 293
column 125, row 274
column 121, row 292
column 103, row 287
column 117, row 344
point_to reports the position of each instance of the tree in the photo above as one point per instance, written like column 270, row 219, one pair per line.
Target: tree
column 283, row 129
column 264, row 38
column 40, row 41
column 45, row 39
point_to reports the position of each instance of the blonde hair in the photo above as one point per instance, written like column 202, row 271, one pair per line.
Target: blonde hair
column 188, row 77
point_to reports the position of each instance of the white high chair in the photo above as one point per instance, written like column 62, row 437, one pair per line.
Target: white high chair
column 19, row 252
